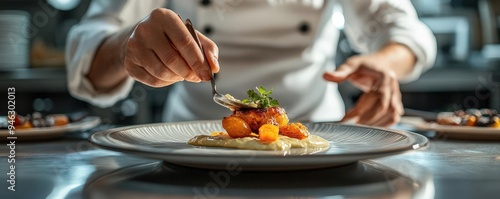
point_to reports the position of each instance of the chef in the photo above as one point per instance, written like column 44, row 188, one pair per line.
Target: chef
column 286, row 45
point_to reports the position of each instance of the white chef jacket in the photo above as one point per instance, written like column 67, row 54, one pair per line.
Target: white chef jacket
column 285, row 45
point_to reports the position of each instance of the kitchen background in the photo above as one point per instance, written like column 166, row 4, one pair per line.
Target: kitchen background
column 466, row 73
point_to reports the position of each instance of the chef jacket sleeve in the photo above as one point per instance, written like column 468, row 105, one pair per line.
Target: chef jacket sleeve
column 103, row 18
column 371, row 24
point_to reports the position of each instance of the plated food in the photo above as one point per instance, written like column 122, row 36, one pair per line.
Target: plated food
column 266, row 127
column 168, row 142
column 54, row 126
column 470, row 117
column 36, row 120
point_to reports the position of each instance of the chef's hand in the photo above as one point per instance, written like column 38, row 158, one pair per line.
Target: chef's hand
column 161, row 51
column 380, row 104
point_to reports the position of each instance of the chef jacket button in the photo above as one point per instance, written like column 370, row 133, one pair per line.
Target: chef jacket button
column 207, row 30
column 205, row 2
column 304, row 27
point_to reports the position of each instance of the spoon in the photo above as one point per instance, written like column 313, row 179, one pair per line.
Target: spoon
column 223, row 100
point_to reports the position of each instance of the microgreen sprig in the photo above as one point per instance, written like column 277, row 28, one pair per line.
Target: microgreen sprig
column 261, row 98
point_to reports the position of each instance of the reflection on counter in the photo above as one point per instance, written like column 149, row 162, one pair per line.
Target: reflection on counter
column 364, row 179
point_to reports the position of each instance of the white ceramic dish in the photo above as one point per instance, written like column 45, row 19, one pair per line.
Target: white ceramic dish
column 454, row 132
column 56, row 131
column 167, row 141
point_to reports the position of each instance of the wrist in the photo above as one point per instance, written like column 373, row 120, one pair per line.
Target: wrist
column 109, row 59
column 121, row 39
column 398, row 57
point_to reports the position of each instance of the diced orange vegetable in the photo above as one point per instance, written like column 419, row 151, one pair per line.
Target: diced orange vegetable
column 236, row 127
column 26, row 125
column 282, row 120
column 60, row 120
column 471, row 121
column 295, row 130
column 497, row 123
column 268, row 133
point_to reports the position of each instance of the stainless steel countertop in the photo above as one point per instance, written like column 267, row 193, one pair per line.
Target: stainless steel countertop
column 72, row 168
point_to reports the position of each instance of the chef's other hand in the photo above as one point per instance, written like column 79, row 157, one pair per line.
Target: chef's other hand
column 161, row 51
column 380, row 104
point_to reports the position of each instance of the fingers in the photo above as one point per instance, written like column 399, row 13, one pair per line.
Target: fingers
column 162, row 62
column 211, row 52
column 381, row 105
column 362, row 82
column 184, row 42
column 171, row 61
column 368, row 109
column 381, row 93
column 140, row 74
column 166, row 52
column 343, row 71
column 394, row 114
column 388, row 120
column 396, row 109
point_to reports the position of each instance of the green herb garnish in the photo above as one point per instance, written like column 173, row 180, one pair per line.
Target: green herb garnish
column 261, row 98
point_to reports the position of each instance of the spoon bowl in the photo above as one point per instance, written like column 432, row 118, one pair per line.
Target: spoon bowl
column 222, row 100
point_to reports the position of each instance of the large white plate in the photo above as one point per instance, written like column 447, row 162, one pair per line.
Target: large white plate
column 167, row 141
column 56, row 131
column 455, row 132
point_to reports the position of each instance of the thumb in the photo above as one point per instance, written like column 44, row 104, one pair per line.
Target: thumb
column 342, row 72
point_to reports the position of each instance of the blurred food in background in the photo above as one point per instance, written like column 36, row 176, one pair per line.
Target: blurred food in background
column 43, row 55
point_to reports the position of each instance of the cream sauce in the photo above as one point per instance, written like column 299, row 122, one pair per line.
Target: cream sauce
column 283, row 142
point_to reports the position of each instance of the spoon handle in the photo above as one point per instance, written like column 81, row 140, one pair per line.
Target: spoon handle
column 191, row 30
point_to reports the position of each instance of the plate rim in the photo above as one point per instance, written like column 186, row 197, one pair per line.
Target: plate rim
column 419, row 142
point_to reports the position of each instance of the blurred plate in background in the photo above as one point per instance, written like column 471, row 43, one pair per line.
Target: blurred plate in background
column 453, row 132
column 53, row 132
